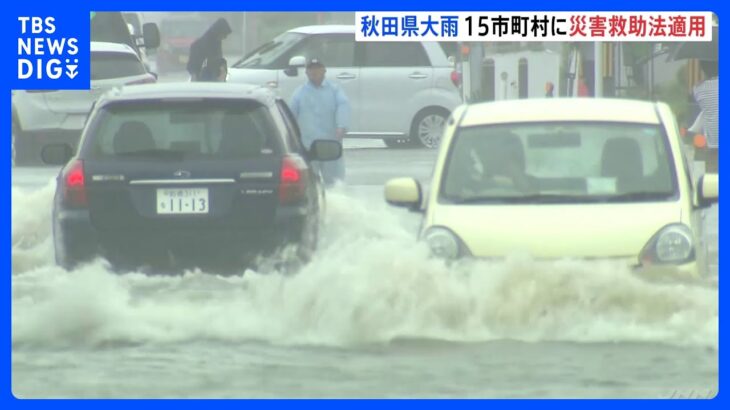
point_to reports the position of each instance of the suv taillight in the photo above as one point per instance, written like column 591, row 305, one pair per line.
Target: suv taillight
column 456, row 78
column 74, row 185
column 292, row 180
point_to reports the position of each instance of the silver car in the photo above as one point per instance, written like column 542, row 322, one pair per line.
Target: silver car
column 399, row 91
column 41, row 117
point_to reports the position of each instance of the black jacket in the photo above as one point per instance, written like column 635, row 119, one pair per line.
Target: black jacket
column 208, row 46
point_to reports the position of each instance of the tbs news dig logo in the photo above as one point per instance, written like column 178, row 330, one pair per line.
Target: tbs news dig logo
column 43, row 56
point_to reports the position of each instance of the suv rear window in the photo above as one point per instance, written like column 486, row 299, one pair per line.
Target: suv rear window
column 105, row 65
column 185, row 129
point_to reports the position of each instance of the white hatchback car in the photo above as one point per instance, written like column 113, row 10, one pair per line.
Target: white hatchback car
column 399, row 91
column 41, row 117
column 565, row 178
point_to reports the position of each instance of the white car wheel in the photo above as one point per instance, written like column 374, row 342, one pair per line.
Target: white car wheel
column 429, row 127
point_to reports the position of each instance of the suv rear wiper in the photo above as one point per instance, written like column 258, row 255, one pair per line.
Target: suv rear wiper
column 154, row 153
column 242, row 63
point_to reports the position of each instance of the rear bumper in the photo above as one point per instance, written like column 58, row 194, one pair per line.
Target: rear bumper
column 77, row 241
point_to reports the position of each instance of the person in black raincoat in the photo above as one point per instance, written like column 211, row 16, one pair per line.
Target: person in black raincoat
column 215, row 70
column 208, row 47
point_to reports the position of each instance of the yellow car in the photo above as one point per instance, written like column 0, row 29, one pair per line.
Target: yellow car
column 564, row 178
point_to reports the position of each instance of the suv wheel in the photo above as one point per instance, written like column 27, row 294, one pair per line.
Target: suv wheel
column 428, row 127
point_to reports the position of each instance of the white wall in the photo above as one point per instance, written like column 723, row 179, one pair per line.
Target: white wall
column 542, row 66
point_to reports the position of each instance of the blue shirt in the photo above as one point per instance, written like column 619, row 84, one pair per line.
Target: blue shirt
column 707, row 95
column 320, row 111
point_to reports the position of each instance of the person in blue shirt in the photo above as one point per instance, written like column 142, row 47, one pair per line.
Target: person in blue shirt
column 707, row 95
column 323, row 112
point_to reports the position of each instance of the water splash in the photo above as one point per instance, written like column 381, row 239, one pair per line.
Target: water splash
column 369, row 283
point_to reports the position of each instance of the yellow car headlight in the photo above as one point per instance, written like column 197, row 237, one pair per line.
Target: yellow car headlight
column 673, row 244
column 444, row 243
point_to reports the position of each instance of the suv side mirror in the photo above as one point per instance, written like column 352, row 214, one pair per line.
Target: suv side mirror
column 151, row 35
column 325, row 150
column 56, row 154
column 708, row 190
column 295, row 63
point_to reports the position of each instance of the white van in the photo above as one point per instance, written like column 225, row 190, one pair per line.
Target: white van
column 399, row 91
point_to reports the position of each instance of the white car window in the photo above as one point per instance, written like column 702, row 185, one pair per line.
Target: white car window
column 585, row 160
column 335, row 50
column 107, row 65
column 395, row 54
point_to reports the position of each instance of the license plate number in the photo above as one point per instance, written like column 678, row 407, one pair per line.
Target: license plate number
column 173, row 201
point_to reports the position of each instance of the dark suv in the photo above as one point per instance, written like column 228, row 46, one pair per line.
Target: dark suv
column 187, row 175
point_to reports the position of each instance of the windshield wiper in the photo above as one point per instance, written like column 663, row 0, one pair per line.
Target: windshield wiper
column 637, row 196
column 248, row 63
column 155, row 153
column 523, row 199
column 563, row 198
column 247, row 60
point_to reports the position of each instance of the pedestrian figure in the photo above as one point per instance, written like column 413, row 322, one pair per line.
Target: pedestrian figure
column 208, row 47
column 323, row 112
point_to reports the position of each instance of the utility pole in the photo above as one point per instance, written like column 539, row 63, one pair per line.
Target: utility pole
column 476, row 60
column 598, row 69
